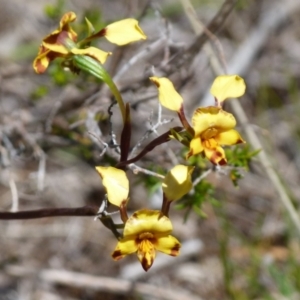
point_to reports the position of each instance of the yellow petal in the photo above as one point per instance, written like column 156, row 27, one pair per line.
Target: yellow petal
column 116, row 184
column 167, row 95
column 195, row 147
column 228, row 138
column 57, row 48
column 146, row 220
column 124, row 32
column 146, row 254
column 124, row 247
column 41, row 62
column 168, row 245
column 216, row 155
column 206, row 118
column 177, row 182
column 228, row 86
column 93, row 52
column 67, row 18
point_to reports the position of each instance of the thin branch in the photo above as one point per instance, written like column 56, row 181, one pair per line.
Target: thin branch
column 84, row 211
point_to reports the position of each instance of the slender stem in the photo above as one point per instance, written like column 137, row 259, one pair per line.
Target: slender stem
column 84, row 211
column 93, row 67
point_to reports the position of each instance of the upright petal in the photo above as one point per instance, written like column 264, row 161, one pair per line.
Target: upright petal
column 116, row 184
column 167, row 95
column 205, row 118
column 228, row 86
column 146, row 220
column 228, row 138
column 124, row 32
column 177, row 182
column 168, row 245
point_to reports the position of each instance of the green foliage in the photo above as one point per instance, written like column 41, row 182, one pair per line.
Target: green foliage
column 203, row 192
column 40, row 92
column 58, row 75
column 239, row 157
column 55, row 11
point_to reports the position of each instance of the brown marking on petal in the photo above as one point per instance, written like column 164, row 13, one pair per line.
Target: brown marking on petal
column 156, row 83
column 175, row 250
column 39, row 67
column 117, row 255
column 145, row 264
column 240, row 141
column 218, row 159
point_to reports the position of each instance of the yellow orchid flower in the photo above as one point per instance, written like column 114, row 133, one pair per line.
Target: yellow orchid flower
column 116, row 184
column 62, row 41
column 145, row 232
column 228, row 86
column 213, row 127
column 177, row 182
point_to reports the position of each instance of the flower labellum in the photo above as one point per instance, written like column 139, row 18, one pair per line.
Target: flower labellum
column 145, row 232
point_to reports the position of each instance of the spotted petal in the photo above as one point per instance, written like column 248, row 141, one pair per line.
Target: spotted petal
column 168, row 245
column 146, row 254
column 216, row 155
column 125, row 247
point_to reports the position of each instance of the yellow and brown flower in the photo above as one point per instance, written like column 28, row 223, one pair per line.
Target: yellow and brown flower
column 145, row 232
column 62, row 42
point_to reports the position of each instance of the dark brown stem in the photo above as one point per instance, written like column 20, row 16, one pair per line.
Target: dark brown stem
column 84, row 211
column 185, row 122
column 165, row 206
column 123, row 211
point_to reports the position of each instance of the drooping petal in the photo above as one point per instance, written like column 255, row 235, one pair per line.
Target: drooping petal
column 146, row 220
column 93, row 52
column 124, row 247
column 177, row 182
column 41, row 62
column 205, row 118
column 196, row 147
column 167, row 95
column 228, row 138
column 116, row 184
column 124, row 32
column 146, row 254
column 216, row 155
column 228, row 86
column 168, row 245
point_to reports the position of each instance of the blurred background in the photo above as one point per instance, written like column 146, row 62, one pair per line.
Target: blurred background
column 237, row 242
